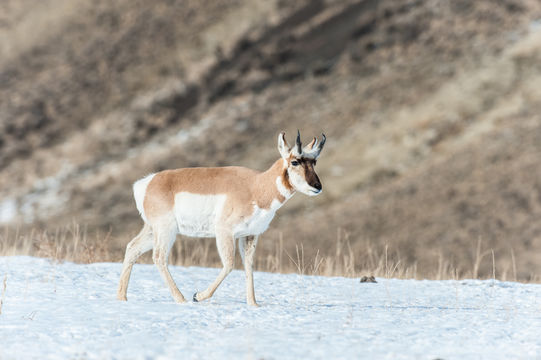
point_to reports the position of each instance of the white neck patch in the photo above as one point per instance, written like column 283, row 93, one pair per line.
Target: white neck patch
column 282, row 189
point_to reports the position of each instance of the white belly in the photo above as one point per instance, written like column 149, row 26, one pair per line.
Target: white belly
column 197, row 214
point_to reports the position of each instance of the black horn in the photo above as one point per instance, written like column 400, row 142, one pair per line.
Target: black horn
column 320, row 146
column 298, row 142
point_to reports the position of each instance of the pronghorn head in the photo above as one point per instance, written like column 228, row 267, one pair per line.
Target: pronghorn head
column 300, row 163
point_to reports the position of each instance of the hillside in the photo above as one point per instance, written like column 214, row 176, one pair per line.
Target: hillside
column 431, row 110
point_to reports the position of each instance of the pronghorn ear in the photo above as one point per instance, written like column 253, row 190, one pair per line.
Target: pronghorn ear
column 313, row 149
column 283, row 146
column 310, row 145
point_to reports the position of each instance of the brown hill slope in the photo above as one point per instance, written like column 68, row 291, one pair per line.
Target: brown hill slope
column 431, row 110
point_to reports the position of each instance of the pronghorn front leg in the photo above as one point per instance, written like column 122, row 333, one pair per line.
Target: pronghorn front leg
column 226, row 248
column 247, row 247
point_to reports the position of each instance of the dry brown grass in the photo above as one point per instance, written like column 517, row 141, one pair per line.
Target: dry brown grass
column 73, row 243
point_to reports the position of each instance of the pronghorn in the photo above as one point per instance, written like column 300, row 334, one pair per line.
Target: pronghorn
column 227, row 203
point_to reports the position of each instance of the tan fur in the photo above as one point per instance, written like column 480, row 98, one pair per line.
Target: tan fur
column 244, row 187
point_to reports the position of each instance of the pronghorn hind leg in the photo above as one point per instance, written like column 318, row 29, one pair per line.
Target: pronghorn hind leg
column 247, row 246
column 139, row 245
column 226, row 249
column 163, row 241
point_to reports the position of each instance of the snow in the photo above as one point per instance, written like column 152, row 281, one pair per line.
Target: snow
column 65, row 310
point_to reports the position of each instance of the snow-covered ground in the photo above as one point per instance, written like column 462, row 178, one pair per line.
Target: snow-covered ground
column 67, row 310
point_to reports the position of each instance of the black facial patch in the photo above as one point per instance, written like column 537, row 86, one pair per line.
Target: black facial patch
column 310, row 174
column 306, row 161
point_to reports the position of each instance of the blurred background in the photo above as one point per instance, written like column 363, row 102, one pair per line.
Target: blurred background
column 432, row 111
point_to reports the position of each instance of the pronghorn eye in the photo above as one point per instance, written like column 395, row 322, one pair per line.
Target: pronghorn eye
column 294, row 163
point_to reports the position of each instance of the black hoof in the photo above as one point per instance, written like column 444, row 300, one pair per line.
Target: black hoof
column 195, row 298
